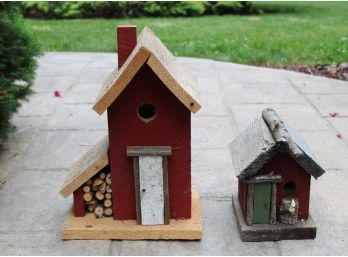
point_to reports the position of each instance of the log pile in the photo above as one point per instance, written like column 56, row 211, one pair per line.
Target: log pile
column 98, row 195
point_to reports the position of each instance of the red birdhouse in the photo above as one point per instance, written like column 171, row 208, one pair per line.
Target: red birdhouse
column 147, row 152
column 274, row 166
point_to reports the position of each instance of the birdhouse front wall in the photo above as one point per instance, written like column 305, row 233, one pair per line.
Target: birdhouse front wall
column 294, row 183
column 148, row 114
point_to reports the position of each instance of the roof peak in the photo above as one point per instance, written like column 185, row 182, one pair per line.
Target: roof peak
column 266, row 137
column 150, row 50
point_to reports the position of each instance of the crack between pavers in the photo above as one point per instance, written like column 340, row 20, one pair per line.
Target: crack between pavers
column 345, row 142
column 232, row 119
column 73, row 82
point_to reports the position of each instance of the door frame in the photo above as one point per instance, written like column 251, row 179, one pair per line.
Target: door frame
column 164, row 152
column 273, row 180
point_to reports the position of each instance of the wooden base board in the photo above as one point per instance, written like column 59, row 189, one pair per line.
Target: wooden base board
column 266, row 232
column 89, row 227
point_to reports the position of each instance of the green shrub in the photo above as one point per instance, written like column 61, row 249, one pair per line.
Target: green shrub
column 227, row 7
column 187, row 9
column 165, row 9
column 17, row 63
column 117, row 9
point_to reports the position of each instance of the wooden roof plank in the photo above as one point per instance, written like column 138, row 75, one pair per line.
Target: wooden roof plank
column 86, row 167
column 263, row 139
column 151, row 50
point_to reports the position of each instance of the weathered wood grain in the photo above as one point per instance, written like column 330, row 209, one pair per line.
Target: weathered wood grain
column 277, row 128
column 89, row 227
column 149, row 49
column 266, row 232
column 264, row 179
column 86, row 167
column 252, row 149
column 263, row 139
column 137, row 187
column 149, row 150
column 250, row 205
column 151, row 190
column 166, row 190
column 273, row 214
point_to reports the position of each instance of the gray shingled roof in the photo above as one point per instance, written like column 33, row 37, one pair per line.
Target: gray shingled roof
column 263, row 139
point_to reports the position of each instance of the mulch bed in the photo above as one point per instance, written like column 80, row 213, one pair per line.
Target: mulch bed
column 334, row 71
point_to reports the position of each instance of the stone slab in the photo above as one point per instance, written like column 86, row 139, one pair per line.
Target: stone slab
column 220, row 237
column 76, row 117
column 330, row 103
column 301, row 116
column 58, row 149
column 341, row 125
column 211, row 132
column 262, row 93
column 264, row 232
column 82, row 93
column 331, row 151
column 309, row 84
column 50, row 244
column 31, row 203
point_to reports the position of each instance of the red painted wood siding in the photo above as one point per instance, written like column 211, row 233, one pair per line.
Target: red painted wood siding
column 171, row 127
column 285, row 166
column 79, row 205
column 126, row 41
column 242, row 193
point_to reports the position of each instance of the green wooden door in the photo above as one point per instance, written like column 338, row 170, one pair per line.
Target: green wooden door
column 262, row 203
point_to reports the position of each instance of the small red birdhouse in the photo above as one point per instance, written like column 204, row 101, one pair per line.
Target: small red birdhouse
column 147, row 152
column 274, row 166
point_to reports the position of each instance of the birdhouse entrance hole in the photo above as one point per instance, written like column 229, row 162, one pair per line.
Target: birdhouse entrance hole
column 147, row 112
column 289, row 187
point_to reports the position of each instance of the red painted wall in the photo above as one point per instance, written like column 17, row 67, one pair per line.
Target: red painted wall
column 171, row 127
column 242, row 194
column 79, row 205
column 126, row 41
column 285, row 166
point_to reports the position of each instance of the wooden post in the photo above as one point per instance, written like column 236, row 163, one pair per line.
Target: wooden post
column 250, row 205
column 126, row 41
column 136, row 184
column 79, row 205
column 273, row 214
column 166, row 191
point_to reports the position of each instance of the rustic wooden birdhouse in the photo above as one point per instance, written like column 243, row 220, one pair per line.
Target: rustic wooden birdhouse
column 147, row 153
column 274, row 166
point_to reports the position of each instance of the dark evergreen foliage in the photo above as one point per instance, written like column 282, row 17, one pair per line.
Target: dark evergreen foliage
column 17, row 63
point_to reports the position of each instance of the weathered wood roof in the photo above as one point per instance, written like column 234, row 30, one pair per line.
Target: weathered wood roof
column 263, row 139
column 151, row 51
column 86, row 167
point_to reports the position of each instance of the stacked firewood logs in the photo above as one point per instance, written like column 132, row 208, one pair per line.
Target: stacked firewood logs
column 98, row 195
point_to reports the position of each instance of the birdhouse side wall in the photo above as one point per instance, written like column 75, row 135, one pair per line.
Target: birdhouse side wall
column 171, row 126
column 282, row 164
column 242, row 195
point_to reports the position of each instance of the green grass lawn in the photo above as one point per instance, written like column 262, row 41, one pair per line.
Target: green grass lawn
column 290, row 33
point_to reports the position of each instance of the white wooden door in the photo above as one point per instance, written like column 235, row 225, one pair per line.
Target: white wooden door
column 151, row 190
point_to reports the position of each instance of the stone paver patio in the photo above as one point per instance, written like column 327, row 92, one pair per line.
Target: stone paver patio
column 53, row 132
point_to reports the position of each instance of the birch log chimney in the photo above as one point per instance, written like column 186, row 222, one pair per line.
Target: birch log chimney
column 126, row 41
